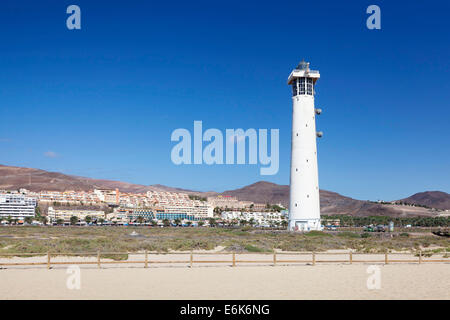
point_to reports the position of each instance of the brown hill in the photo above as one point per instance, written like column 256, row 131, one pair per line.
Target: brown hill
column 267, row 192
column 14, row 178
column 432, row 199
column 330, row 202
column 36, row 180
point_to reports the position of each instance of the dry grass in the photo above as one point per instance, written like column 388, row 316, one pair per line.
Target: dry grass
column 24, row 239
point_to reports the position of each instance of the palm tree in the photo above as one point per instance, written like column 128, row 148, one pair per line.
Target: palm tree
column 177, row 222
column 88, row 219
column 73, row 220
column 100, row 221
column 284, row 223
column 154, row 223
column 212, row 222
column 140, row 219
column 28, row 220
column 201, row 223
column 189, row 223
column 166, row 222
column 9, row 219
column 44, row 220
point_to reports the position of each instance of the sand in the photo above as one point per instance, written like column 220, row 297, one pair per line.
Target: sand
column 209, row 281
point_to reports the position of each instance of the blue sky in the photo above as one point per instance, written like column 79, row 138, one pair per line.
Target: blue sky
column 103, row 101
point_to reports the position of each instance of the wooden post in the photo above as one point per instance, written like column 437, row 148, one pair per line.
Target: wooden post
column 98, row 259
column 234, row 259
column 386, row 261
column 313, row 258
column 146, row 259
column 274, row 258
column 48, row 259
column 420, row 256
column 190, row 262
column 351, row 257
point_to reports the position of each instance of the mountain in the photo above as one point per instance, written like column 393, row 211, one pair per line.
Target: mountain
column 267, row 192
column 432, row 199
column 13, row 178
column 330, row 202
column 262, row 192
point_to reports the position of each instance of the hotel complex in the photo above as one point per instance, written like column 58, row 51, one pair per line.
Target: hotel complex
column 65, row 215
column 115, row 207
column 16, row 206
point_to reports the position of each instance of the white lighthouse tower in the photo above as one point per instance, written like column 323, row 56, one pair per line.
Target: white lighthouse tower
column 304, row 206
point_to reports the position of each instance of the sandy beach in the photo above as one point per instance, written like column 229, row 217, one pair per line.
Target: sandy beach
column 209, row 281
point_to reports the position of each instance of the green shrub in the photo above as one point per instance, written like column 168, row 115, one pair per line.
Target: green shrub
column 404, row 234
column 251, row 248
column 365, row 235
column 315, row 233
column 348, row 234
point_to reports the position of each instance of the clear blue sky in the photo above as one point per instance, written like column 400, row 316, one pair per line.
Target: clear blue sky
column 103, row 101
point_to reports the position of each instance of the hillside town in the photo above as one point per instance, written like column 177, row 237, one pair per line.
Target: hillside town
column 112, row 207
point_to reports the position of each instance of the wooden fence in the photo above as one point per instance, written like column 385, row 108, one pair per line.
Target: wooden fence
column 232, row 259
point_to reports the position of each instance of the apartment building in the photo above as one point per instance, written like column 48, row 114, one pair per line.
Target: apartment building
column 65, row 215
column 17, row 206
column 119, row 217
column 258, row 217
column 230, row 202
column 197, row 209
column 162, row 198
column 69, row 196
column 108, row 196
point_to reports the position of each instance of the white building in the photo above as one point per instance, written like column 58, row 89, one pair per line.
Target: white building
column 260, row 218
column 304, row 205
column 230, row 202
column 65, row 215
column 16, row 206
column 198, row 209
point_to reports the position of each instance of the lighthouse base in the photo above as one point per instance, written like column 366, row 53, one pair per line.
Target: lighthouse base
column 304, row 225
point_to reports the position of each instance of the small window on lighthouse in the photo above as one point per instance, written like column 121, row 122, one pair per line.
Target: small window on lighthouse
column 309, row 86
column 301, row 85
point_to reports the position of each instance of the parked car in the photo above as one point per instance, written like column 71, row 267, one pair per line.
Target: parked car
column 372, row 228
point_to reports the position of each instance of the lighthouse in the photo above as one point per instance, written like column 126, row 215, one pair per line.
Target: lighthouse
column 304, row 203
